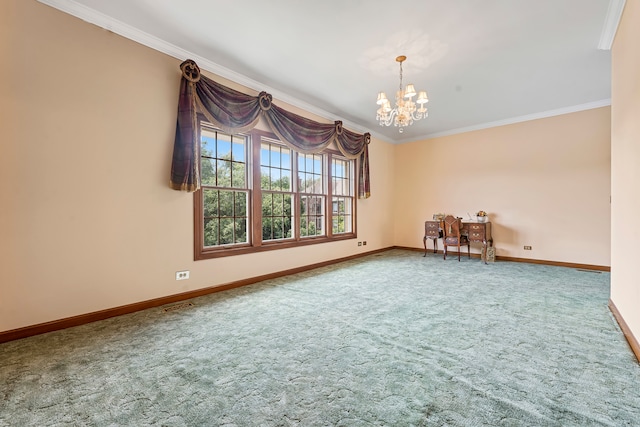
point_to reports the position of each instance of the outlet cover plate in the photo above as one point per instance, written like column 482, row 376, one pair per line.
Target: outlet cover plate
column 182, row 275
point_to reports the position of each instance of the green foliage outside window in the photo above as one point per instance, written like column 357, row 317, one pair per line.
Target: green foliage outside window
column 225, row 210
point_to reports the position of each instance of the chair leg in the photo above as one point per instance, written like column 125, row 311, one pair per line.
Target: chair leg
column 444, row 252
column 469, row 251
column 458, row 252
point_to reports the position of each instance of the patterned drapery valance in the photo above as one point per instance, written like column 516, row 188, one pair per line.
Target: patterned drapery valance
column 237, row 112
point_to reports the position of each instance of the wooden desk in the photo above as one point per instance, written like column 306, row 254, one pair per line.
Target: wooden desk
column 476, row 232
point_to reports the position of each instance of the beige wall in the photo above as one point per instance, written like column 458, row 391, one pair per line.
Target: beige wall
column 88, row 220
column 625, row 162
column 545, row 183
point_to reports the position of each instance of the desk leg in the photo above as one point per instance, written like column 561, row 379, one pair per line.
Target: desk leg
column 435, row 245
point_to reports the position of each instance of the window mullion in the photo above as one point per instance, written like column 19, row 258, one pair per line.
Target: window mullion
column 256, row 217
column 329, row 198
column 295, row 187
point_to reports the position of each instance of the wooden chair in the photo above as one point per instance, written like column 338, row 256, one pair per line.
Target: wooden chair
column 452, row 236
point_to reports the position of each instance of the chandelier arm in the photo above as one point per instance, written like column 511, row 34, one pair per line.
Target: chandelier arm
column 416, row 115
column 389, row 118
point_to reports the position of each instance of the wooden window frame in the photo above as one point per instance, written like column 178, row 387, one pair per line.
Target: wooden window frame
column 256, row 244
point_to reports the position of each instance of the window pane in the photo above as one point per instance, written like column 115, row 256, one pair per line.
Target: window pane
column 210, row 202
column 264, row 155
column 239, row 174
column 241, row 230
column 265, row 178
column 224, row 146
column 226, row 203
column 241, row 204
column 211, row 232
column 288, row 204
column 278, row 228
column 238, row 149
column 224, row 173
column 286, row 158
column 318, row 207
column 267, row 228
column 208, row 144
column 276, row 184
column 267, row 204
column 275, row 158
column 286, row 180
column 208, row 171
column 302, row 184
column 226, row 231
column 317, row 185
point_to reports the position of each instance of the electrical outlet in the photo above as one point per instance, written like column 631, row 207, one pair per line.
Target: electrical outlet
column 527, row 248
column 182, row 275
column 364, row 243
column 359, row 243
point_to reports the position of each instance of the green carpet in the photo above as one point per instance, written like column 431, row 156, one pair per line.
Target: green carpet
column 392, row 339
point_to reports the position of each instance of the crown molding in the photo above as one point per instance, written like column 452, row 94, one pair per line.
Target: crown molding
column 125, row 30
column 611, row 22
column 513, row 120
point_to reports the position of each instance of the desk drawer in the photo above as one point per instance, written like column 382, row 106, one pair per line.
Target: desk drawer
column 476, row 231
column 432, row 229
column 476, row 235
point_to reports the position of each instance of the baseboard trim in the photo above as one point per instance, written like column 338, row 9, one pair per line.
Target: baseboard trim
column 56, row 325
column 631, row 339
column 526, row 260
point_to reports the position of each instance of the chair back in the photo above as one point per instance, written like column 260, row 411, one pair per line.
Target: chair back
column 452, row 226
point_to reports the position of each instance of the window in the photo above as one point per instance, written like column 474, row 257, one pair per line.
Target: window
column 258, row 194
column 312, row 189
column 343, row 199
column 277, row 191
column 223, row 168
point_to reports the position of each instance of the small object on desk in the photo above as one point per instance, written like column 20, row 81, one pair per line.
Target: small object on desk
column 482, row 216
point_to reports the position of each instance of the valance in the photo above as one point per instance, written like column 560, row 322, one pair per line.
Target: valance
column 236, row 112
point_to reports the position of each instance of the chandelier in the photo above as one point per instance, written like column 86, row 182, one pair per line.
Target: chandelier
column 405, row 111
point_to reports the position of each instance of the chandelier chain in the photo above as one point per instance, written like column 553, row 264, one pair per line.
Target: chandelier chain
column 400, row 88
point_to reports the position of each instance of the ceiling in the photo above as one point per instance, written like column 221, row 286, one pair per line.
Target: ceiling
column 483, row 63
